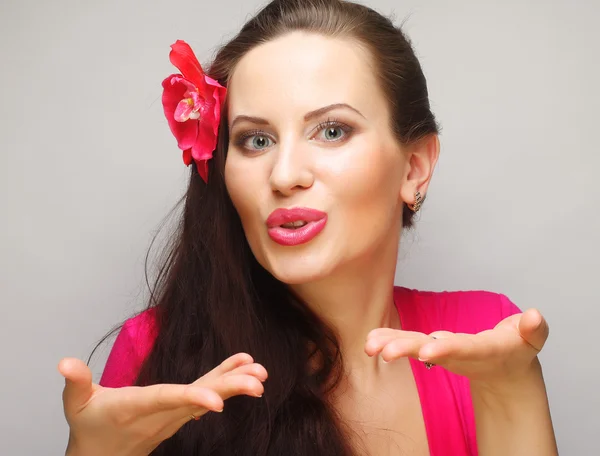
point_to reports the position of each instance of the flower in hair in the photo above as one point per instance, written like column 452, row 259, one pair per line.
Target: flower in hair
column 192, row 102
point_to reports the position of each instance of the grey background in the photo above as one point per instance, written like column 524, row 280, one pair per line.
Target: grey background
column 89, row 168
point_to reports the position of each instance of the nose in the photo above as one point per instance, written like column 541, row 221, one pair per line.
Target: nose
column 291, row 170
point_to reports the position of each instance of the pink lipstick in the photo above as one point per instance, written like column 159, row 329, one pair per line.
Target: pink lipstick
column 295, row 226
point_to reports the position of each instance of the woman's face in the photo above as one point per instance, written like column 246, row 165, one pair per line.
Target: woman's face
column 309, row 128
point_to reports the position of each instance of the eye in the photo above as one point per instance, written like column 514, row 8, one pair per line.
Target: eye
column 333, row 133
column 256, row 140
column 260, row 142
column 253, row 140
column 333, row 130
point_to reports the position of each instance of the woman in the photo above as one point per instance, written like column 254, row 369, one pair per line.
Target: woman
column 311, row 145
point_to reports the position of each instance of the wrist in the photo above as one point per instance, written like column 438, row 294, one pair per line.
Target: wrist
column 77, row 447
column 512, row 415
column 512, row 386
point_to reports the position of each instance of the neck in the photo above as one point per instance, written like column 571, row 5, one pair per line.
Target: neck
column 355, row 301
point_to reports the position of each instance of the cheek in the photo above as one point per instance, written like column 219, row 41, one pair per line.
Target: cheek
column 234, row 181
column 243, row 191
column 373, row 203
column 369, row 178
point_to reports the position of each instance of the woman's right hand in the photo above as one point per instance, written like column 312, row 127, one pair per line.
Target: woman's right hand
column 134, row 420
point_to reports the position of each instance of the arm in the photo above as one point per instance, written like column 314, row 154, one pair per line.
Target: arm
column 510, row 406
column 514, row 418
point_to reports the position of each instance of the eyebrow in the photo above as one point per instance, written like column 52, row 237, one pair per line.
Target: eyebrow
column 308, row 116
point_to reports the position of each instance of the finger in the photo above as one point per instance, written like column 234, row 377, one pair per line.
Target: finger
column 472, row 347
column 434, row 348
column 441, row 334
column 203, row 399
column 239, row 359
column 172, row 420
column 153, row 399
column 385, row 332
column 235, row 385
column 534, row 328
column 229, row 385
column 403, row 347
column 379, row 338
column 254, row 369
column 374, row 345
column 78, row 384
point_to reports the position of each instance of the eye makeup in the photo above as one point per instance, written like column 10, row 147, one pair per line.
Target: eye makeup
column 241, row 139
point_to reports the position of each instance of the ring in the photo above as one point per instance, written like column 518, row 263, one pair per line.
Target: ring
column 429, row 365
column 194, row 417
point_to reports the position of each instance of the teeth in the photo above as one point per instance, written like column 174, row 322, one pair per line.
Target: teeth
column 296, row 224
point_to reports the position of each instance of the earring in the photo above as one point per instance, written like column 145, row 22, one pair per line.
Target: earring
column 418, row 201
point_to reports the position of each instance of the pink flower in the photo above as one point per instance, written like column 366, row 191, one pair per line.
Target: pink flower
column 192, row 103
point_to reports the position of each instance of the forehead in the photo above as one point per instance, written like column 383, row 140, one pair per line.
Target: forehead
column 301, row 71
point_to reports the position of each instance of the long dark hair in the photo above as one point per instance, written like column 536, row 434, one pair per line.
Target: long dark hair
column 211, row 297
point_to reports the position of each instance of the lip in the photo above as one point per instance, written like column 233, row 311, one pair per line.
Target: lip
column 315, row 219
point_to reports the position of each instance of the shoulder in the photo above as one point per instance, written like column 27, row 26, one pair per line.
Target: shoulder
column 140, row 331
column 142, row 325
column 130, row 349
column 467, row 311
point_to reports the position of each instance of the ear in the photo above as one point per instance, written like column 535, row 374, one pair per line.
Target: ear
column 422, row 158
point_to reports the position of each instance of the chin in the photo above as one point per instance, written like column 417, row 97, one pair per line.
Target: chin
column 296, row 277
column 295, row 268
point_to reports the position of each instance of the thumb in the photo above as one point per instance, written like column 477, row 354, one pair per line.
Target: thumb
column 533, row 328
column 78, row 384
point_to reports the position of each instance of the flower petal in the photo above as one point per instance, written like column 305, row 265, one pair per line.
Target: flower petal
column 203, row 169
column 205, row 144
column 183, row 110
column 187, row 157
column 185, row 60
column 196, row 138
column 212, row 82
column 179, row 79
column 186, row 133
column 218, row 95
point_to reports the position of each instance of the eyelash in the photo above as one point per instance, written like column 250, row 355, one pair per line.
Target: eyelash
column 329, row 123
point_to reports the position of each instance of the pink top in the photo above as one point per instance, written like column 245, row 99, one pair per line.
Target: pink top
column 445, row 397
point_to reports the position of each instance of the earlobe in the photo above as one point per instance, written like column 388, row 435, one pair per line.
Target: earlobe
column 418, row 202
column 423, row 156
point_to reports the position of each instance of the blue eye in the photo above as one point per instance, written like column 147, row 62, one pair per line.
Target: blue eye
column 260, row 142
column 333, row 130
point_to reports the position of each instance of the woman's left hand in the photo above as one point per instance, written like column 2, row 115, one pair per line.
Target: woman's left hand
column 505, row 353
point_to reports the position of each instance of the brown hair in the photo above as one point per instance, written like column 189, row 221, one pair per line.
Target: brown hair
column 212, row 297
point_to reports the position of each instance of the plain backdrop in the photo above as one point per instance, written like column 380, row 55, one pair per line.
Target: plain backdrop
column 89, row 169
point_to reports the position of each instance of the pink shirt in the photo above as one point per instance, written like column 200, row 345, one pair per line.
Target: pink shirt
column 445, row 397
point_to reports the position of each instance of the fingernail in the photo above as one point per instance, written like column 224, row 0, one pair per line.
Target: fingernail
column 258, row 395
column 219, row 411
